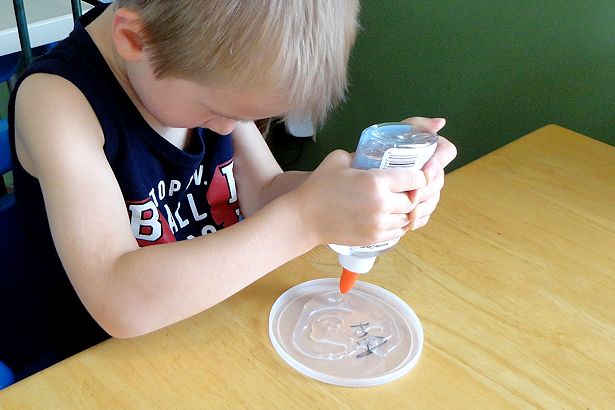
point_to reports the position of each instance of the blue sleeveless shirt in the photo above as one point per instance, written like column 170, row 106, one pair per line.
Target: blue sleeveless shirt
column 170, row 194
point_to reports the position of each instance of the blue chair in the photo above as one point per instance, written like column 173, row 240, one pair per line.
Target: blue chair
column 8, row 66
column 6, row 376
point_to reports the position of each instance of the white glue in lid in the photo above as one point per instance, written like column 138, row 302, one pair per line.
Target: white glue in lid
column 365, row 337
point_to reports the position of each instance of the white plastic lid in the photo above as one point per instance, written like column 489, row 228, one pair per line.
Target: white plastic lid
column 366, row 337
column 356, row 264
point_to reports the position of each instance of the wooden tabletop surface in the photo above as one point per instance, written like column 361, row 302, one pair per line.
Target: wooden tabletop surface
column 513, row 280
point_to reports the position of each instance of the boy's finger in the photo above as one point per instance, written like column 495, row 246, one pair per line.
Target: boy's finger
column 432, row 169
column 432, row 188
column 394, row 221
column 339, row 158
column 445, row 151
column 391, row 234
column 429, row 124
column 419, row 223
column 425, row 209
column 402, row 180
column 400, row 203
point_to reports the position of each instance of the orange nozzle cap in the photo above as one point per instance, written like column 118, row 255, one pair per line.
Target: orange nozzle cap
column 347, row 280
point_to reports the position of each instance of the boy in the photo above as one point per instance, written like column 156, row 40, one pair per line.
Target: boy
column 138, row 130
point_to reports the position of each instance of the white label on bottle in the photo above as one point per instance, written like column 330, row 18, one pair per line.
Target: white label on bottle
column 363, row 249
column 376, row 246
column 414, row 157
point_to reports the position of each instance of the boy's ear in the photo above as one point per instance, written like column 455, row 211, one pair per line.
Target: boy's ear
column 127, row 32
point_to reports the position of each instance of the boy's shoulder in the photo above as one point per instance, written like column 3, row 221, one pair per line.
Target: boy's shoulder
column 75, row 58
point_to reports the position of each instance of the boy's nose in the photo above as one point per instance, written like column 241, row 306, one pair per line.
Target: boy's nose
column 222, row 126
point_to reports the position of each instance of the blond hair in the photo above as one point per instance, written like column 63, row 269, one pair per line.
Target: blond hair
column 297, row 48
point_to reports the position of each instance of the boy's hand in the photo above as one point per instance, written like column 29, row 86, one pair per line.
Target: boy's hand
column 347, row 206
column 342, row 205
column 428, row 196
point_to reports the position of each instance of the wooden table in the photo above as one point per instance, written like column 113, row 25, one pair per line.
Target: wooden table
column 513, row 281
column 48, row 21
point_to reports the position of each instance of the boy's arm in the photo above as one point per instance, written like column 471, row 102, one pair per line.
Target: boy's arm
column 127, row 289
column 259, row 178
column 131, row 290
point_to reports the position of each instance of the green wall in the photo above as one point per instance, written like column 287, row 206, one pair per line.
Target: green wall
column 495, row 70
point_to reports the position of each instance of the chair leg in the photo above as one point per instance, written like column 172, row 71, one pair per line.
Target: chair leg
column 76, row 7
column 22, row 29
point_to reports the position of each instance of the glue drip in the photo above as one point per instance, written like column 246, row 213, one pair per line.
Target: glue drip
column 334, row 326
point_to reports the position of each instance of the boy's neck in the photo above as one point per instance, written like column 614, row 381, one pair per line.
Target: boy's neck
column 100, row 32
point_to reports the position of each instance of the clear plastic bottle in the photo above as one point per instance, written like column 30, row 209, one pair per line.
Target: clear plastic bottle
column 385, row 145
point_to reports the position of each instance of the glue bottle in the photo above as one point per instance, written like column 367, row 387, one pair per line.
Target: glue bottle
column 386, row 145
